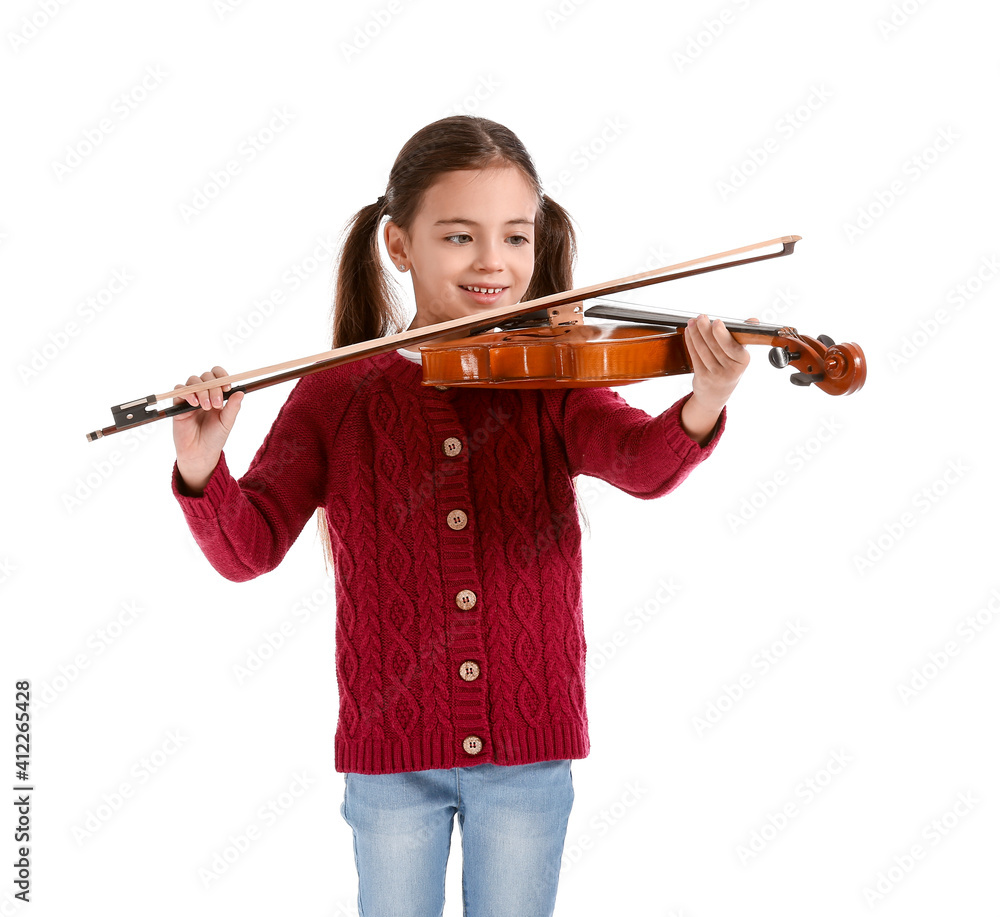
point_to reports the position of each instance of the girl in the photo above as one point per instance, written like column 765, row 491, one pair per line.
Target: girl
column 450, row 520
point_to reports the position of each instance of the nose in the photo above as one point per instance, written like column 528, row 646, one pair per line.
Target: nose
column 489, row 257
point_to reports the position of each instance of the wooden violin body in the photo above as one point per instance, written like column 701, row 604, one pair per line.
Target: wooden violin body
column 571, row 354
column 556, row 357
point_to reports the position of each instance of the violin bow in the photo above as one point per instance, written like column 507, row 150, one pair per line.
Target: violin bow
column 141, row 411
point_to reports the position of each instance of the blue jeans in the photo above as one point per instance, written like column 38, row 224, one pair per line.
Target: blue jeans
column 513, row 826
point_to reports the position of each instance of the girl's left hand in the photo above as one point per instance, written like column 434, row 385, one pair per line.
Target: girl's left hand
column 718, row 361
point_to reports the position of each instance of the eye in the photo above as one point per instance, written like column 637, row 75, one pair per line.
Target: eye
column 518, row 241
column 463, row 236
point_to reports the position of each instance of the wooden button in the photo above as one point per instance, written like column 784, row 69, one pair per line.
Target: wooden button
column 473, row 745
column 452, row 446
column 466, row 599
column 469, row 671
column 457, row 519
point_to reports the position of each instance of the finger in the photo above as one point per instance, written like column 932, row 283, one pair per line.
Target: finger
column 211, row 397
column 231, row 409
column 217, row 399
column 710, row 342
column 191, row 397
column 205, row 396
column 727, row 347
column 699, row 350
column 185, row 399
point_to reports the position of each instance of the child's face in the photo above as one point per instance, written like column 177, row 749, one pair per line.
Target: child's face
column 474, row 229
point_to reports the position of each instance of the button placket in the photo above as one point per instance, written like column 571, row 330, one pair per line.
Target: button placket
column 463, row 605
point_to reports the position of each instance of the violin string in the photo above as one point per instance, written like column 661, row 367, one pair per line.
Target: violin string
column 681, row 315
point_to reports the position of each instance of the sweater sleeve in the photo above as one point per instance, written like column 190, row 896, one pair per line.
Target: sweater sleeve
column 644, row 456
column 246, row 527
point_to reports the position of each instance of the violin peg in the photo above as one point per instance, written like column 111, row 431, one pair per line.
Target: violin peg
column 779, row 357
column 805, row 378
column 826, row 340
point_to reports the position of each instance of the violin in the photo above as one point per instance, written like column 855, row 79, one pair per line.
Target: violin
column 546, row 343
column 567, row 353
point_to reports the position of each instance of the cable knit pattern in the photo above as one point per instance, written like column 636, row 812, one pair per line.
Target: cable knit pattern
column 389, row 459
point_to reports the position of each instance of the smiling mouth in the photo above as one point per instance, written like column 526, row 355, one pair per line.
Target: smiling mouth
column 483, row 289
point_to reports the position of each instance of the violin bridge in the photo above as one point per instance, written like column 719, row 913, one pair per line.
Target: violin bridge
column 570, row 314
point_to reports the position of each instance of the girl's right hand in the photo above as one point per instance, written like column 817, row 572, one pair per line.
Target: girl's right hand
column 199, row 436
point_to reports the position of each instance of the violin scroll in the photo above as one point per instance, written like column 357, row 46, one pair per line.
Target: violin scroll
column 837, row 369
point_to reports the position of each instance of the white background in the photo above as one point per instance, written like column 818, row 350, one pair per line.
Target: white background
column 849, row 539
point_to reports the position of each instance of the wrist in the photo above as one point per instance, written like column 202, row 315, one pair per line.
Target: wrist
column 193, row 479
column 699, row 417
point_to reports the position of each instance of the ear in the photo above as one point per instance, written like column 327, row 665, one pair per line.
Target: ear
column 396, row 243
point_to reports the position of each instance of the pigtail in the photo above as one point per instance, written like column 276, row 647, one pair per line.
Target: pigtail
column 555, row 256
column 555, row 251
column 365, row 305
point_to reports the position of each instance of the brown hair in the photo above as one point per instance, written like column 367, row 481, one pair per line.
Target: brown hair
column 366, row 304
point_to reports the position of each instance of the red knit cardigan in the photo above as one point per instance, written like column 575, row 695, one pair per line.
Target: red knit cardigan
column 456, row 546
